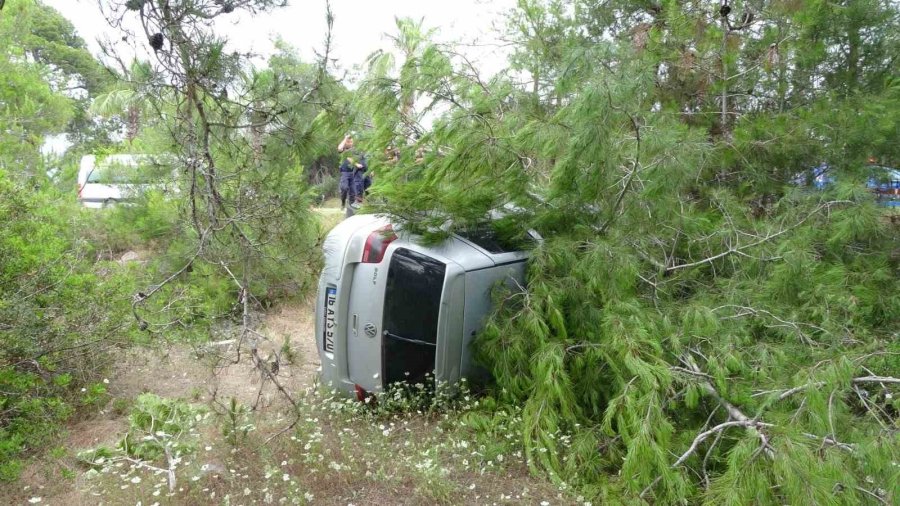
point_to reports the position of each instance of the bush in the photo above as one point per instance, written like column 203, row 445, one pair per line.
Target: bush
column 58, row 316
column 327, row 188
column 149, row 221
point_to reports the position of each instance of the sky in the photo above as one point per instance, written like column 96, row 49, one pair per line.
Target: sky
column 359, row 26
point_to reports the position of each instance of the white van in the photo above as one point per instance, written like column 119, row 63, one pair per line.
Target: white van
column 392, row 310
column 109, row 179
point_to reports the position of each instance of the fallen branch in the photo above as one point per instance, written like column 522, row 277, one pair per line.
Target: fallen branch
column 768, row 237
column 876, row 379
column 703, row 436
column 746, row 310
column 815, row 384
column 738, row 419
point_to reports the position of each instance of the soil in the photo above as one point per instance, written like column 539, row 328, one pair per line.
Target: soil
column 210, row 371
column 198, row 375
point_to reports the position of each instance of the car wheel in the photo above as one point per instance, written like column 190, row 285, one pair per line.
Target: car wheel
column 108, row 202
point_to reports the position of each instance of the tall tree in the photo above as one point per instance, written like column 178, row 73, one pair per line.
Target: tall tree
column 246, row 213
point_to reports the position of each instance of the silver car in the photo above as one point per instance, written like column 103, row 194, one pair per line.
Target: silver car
column 391, row 310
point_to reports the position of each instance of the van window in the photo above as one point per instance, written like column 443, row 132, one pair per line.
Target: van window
column 115, row 172
column 412, row 303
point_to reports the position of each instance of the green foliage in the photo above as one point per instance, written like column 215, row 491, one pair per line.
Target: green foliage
column 150, row 221
column 685, row 280
column 58, row 315
column 47, row 77
column 158, row 425
column 237, row 424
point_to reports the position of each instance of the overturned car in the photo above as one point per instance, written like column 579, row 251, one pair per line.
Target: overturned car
column 390, row 309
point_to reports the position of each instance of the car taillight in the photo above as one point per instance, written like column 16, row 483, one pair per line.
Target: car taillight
column 377, row 244
column 80, row 187
column 364, row 396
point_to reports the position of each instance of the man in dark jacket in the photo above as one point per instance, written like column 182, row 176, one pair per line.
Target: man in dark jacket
column 349, row 187
column 361, row 181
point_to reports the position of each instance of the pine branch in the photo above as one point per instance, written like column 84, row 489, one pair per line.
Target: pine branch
column 739, row 419
column 762, row 240
column 787, row 393
column 635, row 168
column 746, row 310
column 701, row 437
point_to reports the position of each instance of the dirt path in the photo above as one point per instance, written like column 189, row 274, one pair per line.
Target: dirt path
column 332, row 456
column 197, row 375
column 208, row 372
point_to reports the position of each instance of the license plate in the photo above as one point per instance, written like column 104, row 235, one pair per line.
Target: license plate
column 328, row 334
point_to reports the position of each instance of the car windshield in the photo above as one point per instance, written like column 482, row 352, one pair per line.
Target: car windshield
column 412, row 302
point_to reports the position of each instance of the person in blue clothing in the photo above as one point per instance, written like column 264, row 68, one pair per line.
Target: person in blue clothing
column 352, row 168
column 361, row 181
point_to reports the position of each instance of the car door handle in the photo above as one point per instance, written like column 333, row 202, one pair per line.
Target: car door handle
column 355, row 322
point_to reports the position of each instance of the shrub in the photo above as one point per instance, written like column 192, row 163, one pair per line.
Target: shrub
column 58, row 317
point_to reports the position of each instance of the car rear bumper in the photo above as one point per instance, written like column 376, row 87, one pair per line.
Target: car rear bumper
column 342, row 250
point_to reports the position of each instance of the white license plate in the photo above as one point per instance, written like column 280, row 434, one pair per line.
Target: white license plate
column 328, row 333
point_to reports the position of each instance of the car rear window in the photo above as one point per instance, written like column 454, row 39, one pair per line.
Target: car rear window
column 412, row 302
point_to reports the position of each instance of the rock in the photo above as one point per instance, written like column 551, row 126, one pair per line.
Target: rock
column 213, row 469
column 129, row 256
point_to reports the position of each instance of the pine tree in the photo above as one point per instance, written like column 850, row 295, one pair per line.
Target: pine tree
column 705, row 329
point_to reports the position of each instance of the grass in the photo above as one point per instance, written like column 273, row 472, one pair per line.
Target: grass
column 340, row 452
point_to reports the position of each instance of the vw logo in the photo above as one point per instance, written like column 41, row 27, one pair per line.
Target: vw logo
column 370, row 330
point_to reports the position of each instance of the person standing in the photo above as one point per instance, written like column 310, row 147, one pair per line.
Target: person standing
column 361, row 180
column 349, row 166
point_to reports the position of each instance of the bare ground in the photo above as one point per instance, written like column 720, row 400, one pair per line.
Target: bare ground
column 328, row 458
column 199, row 375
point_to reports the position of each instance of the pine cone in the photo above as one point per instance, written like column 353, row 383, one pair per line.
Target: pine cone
column 724, row 10
column 156, row 41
